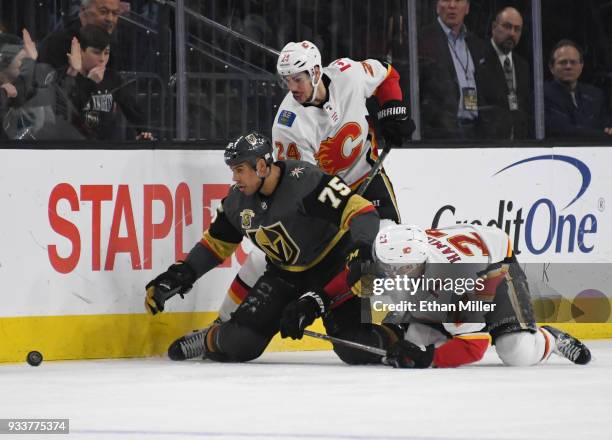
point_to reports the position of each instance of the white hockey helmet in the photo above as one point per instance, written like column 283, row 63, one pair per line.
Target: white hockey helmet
column 400, row 250
column 299, row 57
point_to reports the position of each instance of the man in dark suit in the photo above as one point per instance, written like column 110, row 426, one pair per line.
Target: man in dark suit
column 507, row 85
column 450, row 61
column 573, row 109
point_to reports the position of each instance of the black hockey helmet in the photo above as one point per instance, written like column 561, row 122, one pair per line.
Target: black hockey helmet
column 248, row 148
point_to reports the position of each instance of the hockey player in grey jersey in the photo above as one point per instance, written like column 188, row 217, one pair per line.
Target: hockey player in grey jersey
column 306, row 222
column 324, row 120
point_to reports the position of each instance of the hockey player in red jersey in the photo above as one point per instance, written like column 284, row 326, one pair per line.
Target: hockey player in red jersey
column 323, row 121
column 508, row 321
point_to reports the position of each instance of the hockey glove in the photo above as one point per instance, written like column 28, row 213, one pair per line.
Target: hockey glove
column 358, row 263
column 301, row 313
column 405, row 354
column 395, row 124
column 178, row 279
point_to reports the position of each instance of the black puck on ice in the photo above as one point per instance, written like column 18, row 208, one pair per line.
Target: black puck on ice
column 34, row 358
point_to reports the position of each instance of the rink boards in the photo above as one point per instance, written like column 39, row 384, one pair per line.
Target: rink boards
column 84, row 231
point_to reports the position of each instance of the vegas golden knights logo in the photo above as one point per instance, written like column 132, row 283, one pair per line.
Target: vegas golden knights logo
column 246, row 215
column 276, row 243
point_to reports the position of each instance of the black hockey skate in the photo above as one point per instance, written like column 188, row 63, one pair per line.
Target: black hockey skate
column 569, row 347
column 190, row 346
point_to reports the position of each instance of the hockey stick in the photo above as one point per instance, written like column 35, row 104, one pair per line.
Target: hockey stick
column 357, row 345
column 374, row 171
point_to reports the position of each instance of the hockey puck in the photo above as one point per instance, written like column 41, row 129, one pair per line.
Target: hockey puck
column 34, row 358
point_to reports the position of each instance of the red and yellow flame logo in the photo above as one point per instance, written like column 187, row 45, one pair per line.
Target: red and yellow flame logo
column 331, row 157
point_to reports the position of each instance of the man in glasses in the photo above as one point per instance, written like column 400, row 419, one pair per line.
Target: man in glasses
column 573, row 108
column 507, row 86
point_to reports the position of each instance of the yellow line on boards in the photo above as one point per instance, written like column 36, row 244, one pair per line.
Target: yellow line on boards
column 141, row 335
column 112, row 336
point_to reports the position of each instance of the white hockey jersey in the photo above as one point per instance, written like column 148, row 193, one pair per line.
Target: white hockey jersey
column 335, row 137
column 468, row 244
column 479, row 247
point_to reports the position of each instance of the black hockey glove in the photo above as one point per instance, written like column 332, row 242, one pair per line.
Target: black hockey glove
column 301, row 313
column 178, row 279
column 395, row 123
column 358, row 263
column 405, row 354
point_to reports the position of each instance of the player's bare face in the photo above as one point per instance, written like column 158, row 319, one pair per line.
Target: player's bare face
column 300, row 86
column 245, row 178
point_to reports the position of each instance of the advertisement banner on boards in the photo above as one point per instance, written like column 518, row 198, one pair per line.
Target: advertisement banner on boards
column 551, row 202
column 84, row 231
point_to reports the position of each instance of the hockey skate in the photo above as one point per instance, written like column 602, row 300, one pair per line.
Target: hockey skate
column 191, row 345
column 569, row 347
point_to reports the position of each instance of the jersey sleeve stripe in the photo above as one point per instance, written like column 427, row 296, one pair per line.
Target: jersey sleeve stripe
column 389, row 89
column 481, row 335
column 220, row 249
column 510, row 251
column 356, row 205
column 237, row 291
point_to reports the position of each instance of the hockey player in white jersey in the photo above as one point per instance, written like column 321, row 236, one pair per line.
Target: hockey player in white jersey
column 508, row 321
column 323, row 120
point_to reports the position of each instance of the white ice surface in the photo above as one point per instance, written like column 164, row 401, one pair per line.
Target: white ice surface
column 312, row 395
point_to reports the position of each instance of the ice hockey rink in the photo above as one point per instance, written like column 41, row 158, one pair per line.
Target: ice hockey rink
column 312, row 395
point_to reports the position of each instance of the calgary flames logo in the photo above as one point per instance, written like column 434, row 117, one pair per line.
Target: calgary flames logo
column 331, row 157
column 275, row 241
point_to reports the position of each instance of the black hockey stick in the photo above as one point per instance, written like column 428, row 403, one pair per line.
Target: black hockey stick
column 374, row 171
column 357, row 345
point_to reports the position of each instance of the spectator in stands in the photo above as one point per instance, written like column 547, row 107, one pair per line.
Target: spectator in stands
column 7, row 93
column 17, row 59
column 101, row 13
column 573, row 109
column 27, row 94
column 9, row 48
column 506, row 86
column 97, row 92
column 450, row 60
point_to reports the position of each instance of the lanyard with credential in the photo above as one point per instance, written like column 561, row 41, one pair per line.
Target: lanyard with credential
column 467, row 58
